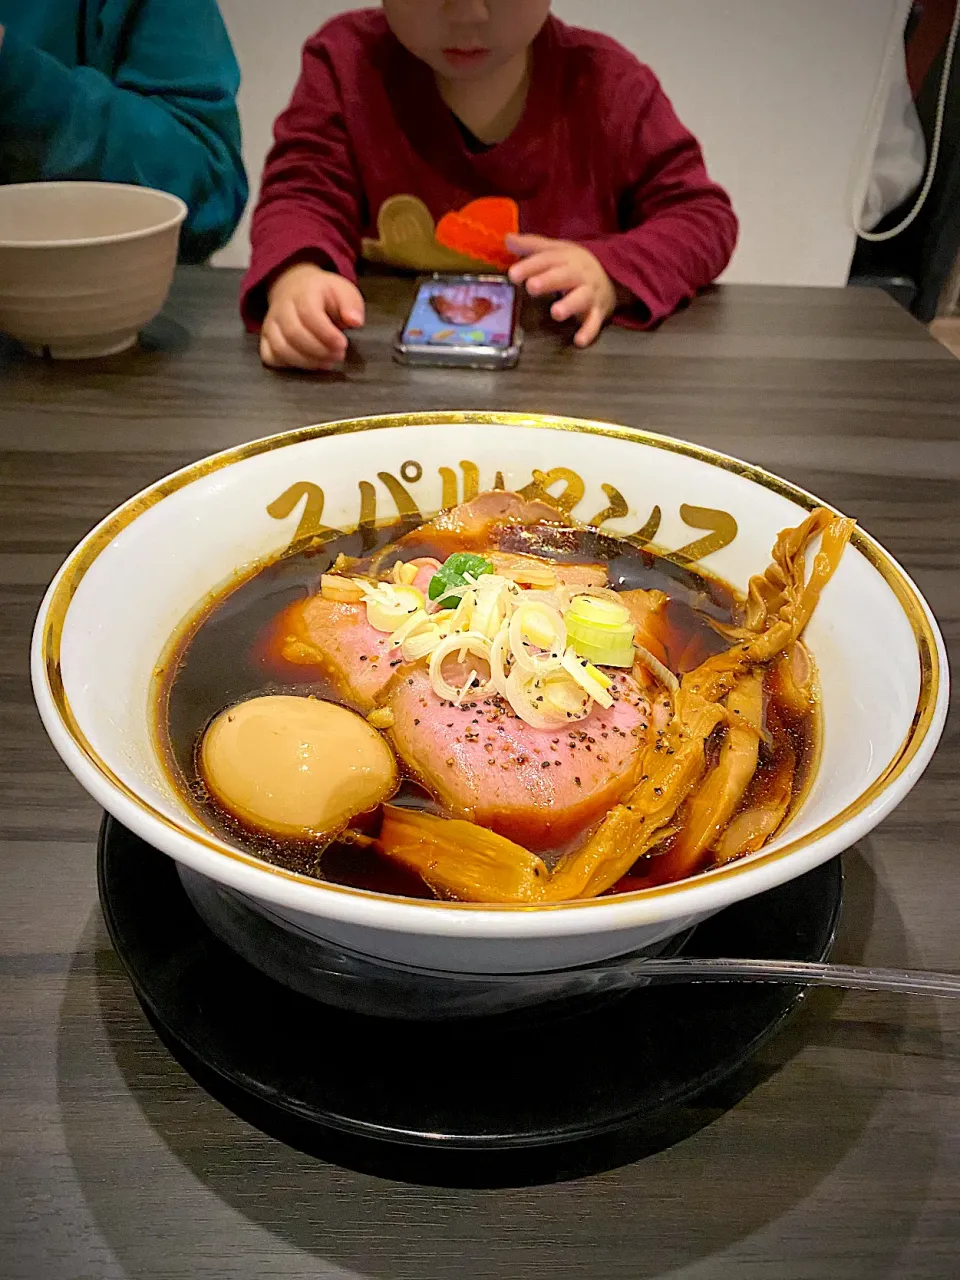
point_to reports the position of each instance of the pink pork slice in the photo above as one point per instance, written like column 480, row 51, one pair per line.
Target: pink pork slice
column 542, row 788
column 339, row 639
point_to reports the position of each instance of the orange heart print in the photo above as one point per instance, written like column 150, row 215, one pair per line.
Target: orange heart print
column 480, row 230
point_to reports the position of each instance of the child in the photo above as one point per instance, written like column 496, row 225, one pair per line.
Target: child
column 406, row 115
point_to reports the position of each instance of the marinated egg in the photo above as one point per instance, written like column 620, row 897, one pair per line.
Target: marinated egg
column 296, row 767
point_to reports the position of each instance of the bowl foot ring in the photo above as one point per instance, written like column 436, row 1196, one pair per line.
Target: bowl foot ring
column 488, row 1101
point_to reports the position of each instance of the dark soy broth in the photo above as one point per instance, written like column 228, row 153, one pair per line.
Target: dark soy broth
column 228, row 655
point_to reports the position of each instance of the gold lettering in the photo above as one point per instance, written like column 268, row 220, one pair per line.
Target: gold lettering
column 723, row 529
column 408, row 510
column 311, row 528
column 451, row 495
column 649, row 531
column 471, row 480
column 543, row 481
column 617, row 508
column 471, row 484
column 367, row 526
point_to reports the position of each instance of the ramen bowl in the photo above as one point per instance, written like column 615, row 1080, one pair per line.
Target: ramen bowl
column 109, row 615
column 84, row 265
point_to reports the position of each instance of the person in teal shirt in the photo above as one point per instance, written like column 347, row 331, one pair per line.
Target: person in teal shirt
column 138, row 91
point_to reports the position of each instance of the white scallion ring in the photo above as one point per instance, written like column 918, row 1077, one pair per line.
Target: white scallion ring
column 462, row 642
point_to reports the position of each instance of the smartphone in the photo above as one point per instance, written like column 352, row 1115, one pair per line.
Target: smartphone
column 467, row 322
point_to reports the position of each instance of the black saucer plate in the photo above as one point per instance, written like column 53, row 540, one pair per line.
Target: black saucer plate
column 311, row 1074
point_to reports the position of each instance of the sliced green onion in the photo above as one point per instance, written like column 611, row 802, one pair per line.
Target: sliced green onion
column 464, row 643
column 544, row 628
column 592, row 682
column 598, row 611
column 605, row 651
column 526, row 693
column 602, row 648
column 601, row 630
column 565, row 696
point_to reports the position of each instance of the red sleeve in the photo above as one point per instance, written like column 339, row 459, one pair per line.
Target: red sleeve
column 311, row 195
column 681, row 228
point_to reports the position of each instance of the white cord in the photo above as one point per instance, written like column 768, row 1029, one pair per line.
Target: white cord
column 877, row 237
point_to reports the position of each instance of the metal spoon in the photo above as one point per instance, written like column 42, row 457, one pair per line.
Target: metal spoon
column 699, row 969
column 846, row 976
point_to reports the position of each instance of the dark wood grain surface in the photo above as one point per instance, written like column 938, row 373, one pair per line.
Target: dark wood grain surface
column 835, row 1155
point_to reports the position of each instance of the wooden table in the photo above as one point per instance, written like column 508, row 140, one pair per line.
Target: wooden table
column 840, row 1154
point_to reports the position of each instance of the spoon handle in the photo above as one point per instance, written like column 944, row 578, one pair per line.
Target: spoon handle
column 850, row 977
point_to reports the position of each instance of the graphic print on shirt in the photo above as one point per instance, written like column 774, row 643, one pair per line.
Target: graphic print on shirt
column 469, row 239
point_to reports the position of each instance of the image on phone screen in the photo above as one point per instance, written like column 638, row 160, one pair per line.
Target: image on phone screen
column 478, row 314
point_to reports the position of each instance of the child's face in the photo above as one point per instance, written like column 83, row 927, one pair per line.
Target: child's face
column 466, row 39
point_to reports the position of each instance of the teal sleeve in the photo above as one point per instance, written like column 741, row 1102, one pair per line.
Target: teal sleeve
column 165, row 118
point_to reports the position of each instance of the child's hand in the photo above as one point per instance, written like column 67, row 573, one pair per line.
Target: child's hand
column 308, row 310
column 559, row 266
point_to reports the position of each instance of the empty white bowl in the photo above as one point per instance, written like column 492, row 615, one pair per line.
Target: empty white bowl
column 121, row 594
column 84, row 265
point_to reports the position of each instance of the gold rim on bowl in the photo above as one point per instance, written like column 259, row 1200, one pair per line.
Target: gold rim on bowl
column 81, row 559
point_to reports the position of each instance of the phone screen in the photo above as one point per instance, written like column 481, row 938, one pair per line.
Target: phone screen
column 459, row 314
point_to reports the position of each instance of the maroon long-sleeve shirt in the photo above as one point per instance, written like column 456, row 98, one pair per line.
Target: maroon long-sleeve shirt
column 599, row 157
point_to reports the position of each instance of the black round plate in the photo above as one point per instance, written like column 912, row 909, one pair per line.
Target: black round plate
column 329, row 1081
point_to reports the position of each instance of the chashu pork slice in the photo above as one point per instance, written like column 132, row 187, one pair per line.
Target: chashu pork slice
column 524, row 568
column 474, row 519
column 541, row 788
column 512, row 531
column 354, row 656
column 648, row 611
column 477, row 525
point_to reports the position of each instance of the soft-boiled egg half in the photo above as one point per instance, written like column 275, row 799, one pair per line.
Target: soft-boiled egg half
column 296, row 767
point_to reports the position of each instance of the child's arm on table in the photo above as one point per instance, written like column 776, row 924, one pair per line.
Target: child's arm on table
column 309, row 308
column 560, row 266
column 300, row 291
column 681, row 232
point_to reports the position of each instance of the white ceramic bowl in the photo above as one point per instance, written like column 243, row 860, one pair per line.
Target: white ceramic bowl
column 113, row 606
column 84, row 265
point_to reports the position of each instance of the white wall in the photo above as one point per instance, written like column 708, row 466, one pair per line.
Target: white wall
column 778, row 92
